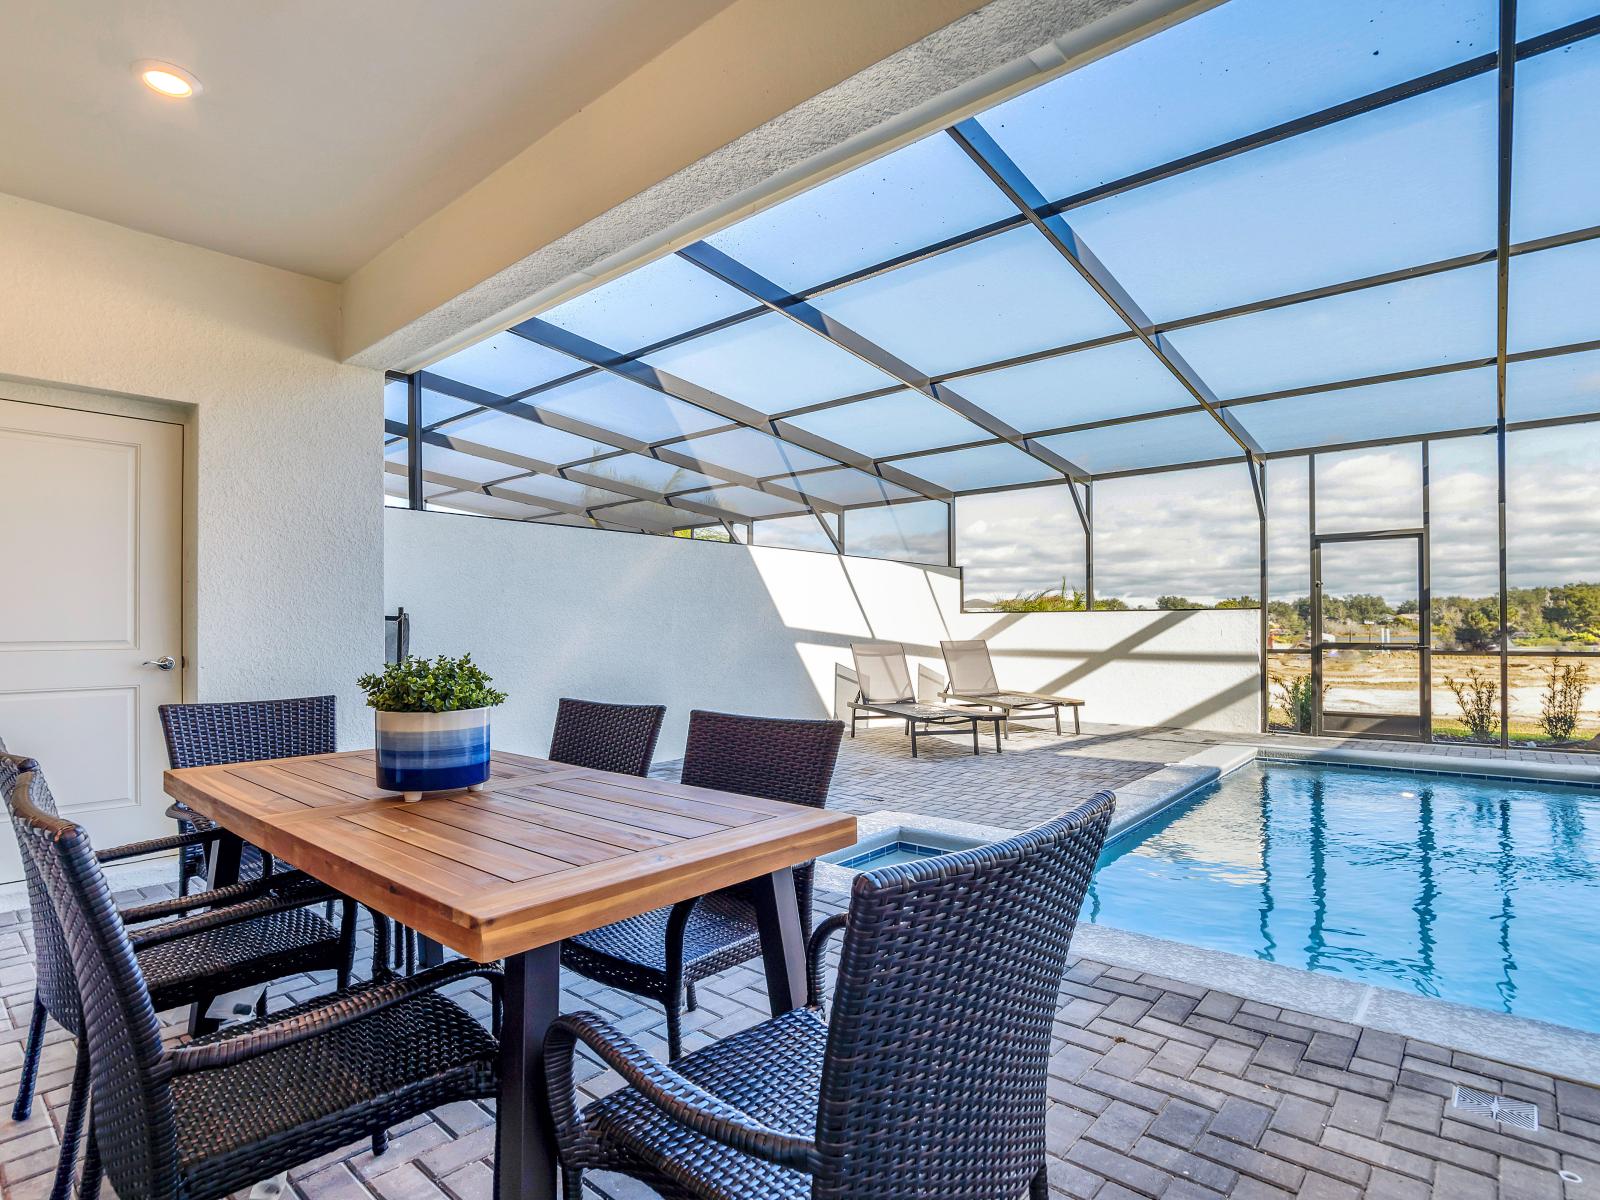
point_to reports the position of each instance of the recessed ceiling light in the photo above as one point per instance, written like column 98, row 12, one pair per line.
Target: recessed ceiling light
column 165, row 79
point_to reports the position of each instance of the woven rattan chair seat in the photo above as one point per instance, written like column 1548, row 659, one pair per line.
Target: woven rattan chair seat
column 772, row 1072
column 266, row 947
column 328, row 1091
column 721, row 933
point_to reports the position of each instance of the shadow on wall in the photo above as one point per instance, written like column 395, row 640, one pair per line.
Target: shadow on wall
column 553, row 611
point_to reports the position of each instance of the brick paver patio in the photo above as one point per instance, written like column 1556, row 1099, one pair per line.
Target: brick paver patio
column 1158, row 1088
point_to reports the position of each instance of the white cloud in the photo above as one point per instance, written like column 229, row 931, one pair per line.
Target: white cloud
column 1194, row 533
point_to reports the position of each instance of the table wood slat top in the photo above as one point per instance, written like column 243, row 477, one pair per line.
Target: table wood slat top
column 546, row 851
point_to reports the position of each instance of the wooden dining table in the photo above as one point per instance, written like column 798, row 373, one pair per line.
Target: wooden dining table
column 544, row 852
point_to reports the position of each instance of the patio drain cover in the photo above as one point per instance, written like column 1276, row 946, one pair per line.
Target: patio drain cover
column 1517, row 1113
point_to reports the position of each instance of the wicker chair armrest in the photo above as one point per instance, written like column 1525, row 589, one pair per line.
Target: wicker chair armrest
column 176, row 841
column 684, row 1102
column 295, row 883
column 182, row 812
column 816, row 949
column 678, row 926
column 229, row 914
column 352, row 1004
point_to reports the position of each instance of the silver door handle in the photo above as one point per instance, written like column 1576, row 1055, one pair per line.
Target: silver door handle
column 165, row 663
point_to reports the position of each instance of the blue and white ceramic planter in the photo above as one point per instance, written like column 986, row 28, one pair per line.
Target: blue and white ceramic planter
column 432, row 751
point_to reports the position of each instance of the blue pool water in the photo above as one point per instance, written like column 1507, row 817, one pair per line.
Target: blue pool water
column 1484, row 892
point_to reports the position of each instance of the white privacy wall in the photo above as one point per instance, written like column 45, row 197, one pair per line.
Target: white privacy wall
column 283, row 532
column 553, row 611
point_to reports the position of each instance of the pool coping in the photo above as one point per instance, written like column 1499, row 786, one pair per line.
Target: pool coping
column 1585, row 774
column 1558, row 1050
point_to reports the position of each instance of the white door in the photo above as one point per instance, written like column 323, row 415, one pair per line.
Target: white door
column 90, row 545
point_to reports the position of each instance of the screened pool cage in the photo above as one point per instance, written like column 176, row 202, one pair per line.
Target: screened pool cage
column 1296, row 302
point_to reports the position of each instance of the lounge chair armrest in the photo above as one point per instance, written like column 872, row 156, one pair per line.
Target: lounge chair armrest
column 231, row 1046
column 684, row 1102
column 816, row 950
column 295, row 883
column 176, row 841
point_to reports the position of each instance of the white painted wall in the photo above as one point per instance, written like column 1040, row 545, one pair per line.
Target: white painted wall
column 553, row 611
column 285, row 554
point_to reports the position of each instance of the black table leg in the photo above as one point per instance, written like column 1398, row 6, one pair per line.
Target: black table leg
column 783, row 940
column 222, row 866
column 525, row 1163
column 222, row 869
column 974, row 735
column 429, row 951
column 998, row 748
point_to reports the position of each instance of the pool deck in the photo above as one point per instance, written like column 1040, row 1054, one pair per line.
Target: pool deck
column 1025, row 784
column 1160, row 1086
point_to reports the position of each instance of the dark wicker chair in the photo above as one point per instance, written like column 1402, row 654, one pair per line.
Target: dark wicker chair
column 208, row 1118
column 254, row 932
column 207, row 735
column 928, row 1081
column 660, row 954
column 606, row 737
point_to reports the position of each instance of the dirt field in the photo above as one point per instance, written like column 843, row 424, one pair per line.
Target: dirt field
column 1361, row 681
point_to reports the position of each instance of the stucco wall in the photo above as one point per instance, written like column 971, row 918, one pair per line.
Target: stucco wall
column 554, row 612
column 285, row 560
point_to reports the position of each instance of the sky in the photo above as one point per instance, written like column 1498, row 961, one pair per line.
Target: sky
column 1405, row 184
column 1194, row 533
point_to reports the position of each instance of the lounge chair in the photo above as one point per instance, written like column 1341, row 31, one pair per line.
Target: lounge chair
column 972, row 681
column 884, row 689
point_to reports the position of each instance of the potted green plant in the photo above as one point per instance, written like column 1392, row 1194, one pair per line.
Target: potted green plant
column 432, row 724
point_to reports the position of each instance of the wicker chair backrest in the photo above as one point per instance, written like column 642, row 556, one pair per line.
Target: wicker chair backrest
column 939, row 1040
column 208, row 735
column 22, row 783
column 606, row 737
column 777, row 758
column 970, row 667
column 131, row 1101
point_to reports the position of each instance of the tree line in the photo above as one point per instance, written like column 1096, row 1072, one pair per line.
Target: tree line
column 1565, row 615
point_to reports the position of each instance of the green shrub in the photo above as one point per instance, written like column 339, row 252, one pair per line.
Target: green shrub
column 1298, row 696
column 1065, row 600
column 1562, row 703
column 441, row 684
column 1479, row 697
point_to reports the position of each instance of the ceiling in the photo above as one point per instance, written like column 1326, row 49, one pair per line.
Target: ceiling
column 1294, row 258
column 324, row 131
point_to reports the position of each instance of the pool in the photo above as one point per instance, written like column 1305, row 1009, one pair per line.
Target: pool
column 1481, row 891
column 896, row 844
column 891, row 855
